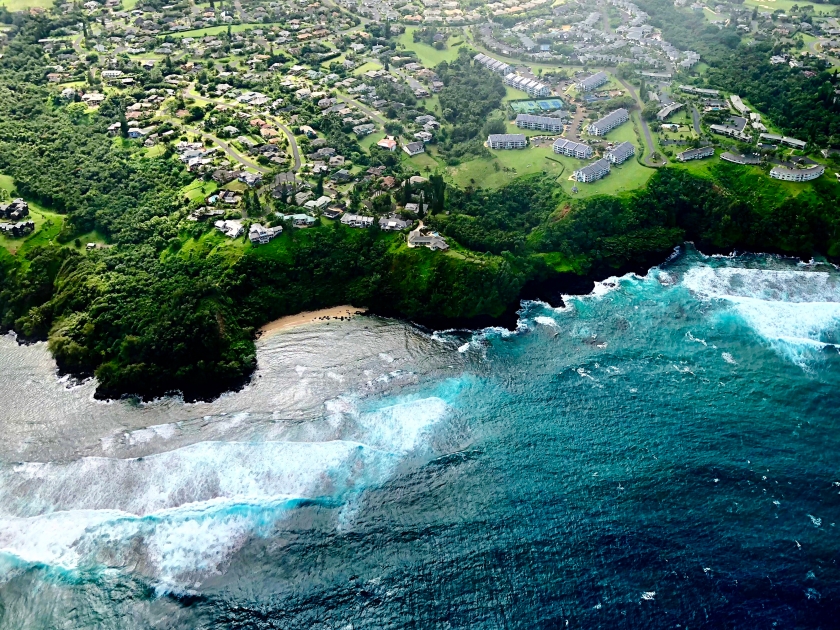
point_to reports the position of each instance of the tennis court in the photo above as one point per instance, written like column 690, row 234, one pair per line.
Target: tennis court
column 533, row 107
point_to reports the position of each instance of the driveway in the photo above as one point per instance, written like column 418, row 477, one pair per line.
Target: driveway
column 645, row 128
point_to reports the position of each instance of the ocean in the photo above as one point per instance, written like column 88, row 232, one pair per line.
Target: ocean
column 662, row 453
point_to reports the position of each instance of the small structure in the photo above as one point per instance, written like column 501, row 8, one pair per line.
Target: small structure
column 432, row 240
column 393, row 224
column 230, row 228
column 388, row 143
column 506, row 141
column 414, row 148
column 356, row 220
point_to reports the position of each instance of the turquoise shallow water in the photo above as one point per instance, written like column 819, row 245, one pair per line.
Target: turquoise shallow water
column 660, row 454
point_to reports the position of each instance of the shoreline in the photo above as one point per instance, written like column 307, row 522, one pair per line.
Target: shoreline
column 288, row 322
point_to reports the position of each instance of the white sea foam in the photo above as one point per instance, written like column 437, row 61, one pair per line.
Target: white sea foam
column 545, row 321
column 728, row 358
column 178, row 515
column 796, row 311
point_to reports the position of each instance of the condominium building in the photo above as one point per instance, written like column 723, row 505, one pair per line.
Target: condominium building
column 544, row 123
column 533, row 87
column 593, row 82
column 668, row 110
column 572, row 149
column 493, row 64
column 593, row 172
column 506, row 141
column 608, row 122
column 797, row 174
column 621, row 153
column 696, row 154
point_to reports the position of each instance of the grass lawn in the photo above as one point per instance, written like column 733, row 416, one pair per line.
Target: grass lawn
column 215, row 30
column 369, row 140
column 367, row 67
column 512, row 94
column 198, row 189
column 421, row 162
column 505, row 166
column 214, row 243
column 429, row 56
column 22, row 5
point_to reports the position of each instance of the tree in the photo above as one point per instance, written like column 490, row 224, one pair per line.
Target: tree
column 319, row 186
column 650, row 110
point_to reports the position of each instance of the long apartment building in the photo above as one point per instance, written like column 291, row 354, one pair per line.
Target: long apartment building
column 573, row 149
column 543, row 123
column 592, row 82
column 593, row 172
column 775, row 138
column 506, row 141
column 608, row 122
column 493, row 64
column 797, row 174
column 534, row 88
column 696, row 154
column 620, row 153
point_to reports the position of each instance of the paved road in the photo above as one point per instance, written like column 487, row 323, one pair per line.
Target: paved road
column 292, row 142
column 232, row 153
column 645, row 128
column 695, row 117
column 812, row 47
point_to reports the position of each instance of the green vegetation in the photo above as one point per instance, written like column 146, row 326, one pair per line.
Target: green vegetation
column 427, row 54
column 167, row 303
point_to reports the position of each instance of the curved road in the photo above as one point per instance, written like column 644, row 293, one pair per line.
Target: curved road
column 645, row 128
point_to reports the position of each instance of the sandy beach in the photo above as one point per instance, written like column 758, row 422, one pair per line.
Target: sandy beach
column 325, row 314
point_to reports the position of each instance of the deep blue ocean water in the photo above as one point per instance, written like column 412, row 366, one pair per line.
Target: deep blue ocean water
column 660, row 454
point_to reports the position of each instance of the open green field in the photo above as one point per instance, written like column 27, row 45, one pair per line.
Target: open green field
column 429, row 56
column 423, row 162
column 198, row 189
column 47, row 224
column 371, row 139
column 784, row 5
column 23, row 5
column 366, row 67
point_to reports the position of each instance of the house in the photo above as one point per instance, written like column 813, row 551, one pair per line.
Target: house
column 572, row 149
column 250, row 179
column 15, row 210
column 608, row 122
column 423, row 136
column 621, row 153
column 318, row 204
column 414, row 148
column 135, row 133
column 229, row 197
column 259, row 235
column 342, row 175
column 593, row 172
column 356, row 220
column 333, row 213
column 506, row 141
column 388, row 143
column 806, row 174
column 300, row 220
column 544, row 123
column 17, row 229
column 432, row 240
column 364, row 130
column 393, row 224
column 696, row 154
column 230, row 228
